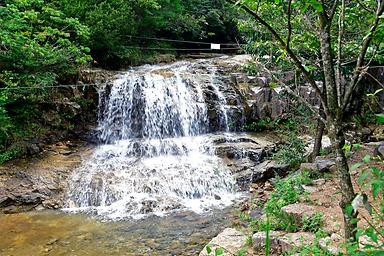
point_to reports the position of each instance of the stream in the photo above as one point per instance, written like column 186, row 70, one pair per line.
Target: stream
column 163, row 180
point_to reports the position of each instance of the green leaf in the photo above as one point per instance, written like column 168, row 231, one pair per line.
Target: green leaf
column 380, row 118
column 363, row 177
column 371, row 233
column 317, row 5
column 219, row 251
column 356, row 165
column 209, row 250
column 376, row 187
column 366, row 159
column 349, row 210
column 356, row 146
column 347, row 147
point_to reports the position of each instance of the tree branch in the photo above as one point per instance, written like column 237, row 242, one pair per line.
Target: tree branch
column 333, row 10
column 360, row 60
column 365, row 7
column 339, row 45
column 289, row 23
column 290, row 53
column 314, row 110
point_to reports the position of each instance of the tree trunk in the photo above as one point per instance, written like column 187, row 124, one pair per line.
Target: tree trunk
column 319, row 135
column 318, row 138
column 345, row 182
column 335, row 128
column 327, row 59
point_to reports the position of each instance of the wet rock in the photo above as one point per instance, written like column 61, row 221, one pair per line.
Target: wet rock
column 10, row 209
column 274, row 167
column 66, row 152
column 33, row 149
column 148, row 206
column 6, row 201
column 52, row 241
column 299, row 211
column 230, row 240
column 251, row 173
column 38, row 184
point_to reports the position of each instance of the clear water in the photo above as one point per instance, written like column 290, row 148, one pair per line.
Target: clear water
column 54, row 233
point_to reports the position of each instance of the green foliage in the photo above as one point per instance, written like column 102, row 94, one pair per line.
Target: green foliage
column 304, row 40
column 267, row 240
column 313, row 249
column 39, row 44
column 10, row 154
column 116, row 26
column 292, row 152
column 251, row 68
column 217, row 252
column 261, row 125
column 287, row 191
column 371, row 179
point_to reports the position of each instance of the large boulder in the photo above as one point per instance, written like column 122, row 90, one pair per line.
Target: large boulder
column 320, row 165
column 281, row 242
column 379, row 150
column 229, row 240
column 298, row 212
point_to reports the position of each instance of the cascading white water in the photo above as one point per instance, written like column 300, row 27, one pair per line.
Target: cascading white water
column 157, row 156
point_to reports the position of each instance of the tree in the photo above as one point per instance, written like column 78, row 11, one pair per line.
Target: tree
column 38, row 46
column 120, row 29
column 326, row 22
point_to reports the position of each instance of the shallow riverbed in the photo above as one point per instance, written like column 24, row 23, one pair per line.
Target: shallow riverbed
column 57, row 233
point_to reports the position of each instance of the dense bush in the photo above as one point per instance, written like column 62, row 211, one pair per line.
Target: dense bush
column 39, row 45
column 119, row 29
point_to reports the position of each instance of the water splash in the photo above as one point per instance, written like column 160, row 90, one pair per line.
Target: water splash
column 157, row 156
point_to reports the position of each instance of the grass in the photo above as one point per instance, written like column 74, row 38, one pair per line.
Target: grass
column 287, row 191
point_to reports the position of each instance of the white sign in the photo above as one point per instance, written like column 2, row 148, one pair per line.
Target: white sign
column 215, row 46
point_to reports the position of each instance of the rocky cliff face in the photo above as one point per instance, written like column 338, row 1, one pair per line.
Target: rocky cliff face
column 232, row 97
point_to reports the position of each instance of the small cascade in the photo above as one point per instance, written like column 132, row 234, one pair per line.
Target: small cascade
column 156, row 154
column 223, row 116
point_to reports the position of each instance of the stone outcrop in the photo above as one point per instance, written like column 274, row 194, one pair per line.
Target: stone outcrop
column 320, row 165
column 34, row 183
column 281, row 242
column 298, row 212
column 246, row 155
column 229, row 240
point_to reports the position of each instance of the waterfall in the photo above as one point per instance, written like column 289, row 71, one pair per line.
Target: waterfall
column 156, row 154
